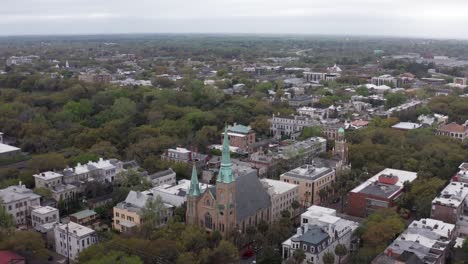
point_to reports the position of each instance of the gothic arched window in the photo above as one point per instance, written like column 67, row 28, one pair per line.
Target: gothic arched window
column 208, row 221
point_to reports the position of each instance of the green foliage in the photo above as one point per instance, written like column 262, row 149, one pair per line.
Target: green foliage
column 328, row 258
column 455, row 107
column 6, row 220
column 362, row 90
column 376, row 148
column 308, row 132
column 395, row 99
column 44, row 192
column 299, row 255
column 377, row 231
column 153, row 215
column 29, row 242
column 115, row 257
column 45, row 162
column 419, row 195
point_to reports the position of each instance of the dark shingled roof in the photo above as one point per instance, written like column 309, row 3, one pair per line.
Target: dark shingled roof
column 314, row 236
column 250, row 195
column 161, row 174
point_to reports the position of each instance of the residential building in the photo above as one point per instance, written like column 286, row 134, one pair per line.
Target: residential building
column 330, row 128
column 19, row 60
column 380, row 191
column 453, row 130
column 462, row 175
column 282, row 195
column 433, row 119
column 127, row 214
column 311, row 181
column 462, row 82
column 424, row 241
column 18, row 202
column 165, row 177
column 386, row 80
column 300, row 100
column 175, row 194
column 184, row 155
column 317, row 77
column 290, row 126
column 406, row 126
column 315, row 113
column 44, row 215
column 94, row 77
column 48, row 179
column 241, row 136
column 320, row 232
column 7, row 151
column 72, row 238
column 234, row 203
column 84, row 217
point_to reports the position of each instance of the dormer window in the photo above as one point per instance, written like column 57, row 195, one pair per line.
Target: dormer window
column 304, row 247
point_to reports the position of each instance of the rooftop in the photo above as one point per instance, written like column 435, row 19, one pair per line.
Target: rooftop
column 239, row 129
column 278, row 187
column 83, row 214
column 309, row 172
column 453, row 194
column 402, row 175
column 406, row 125
column 77, row 229
column 48, row 175
column 16, row 193
column 452, row 127
column 44, row 210
column 4, row 148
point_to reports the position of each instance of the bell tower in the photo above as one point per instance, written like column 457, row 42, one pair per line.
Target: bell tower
column 192, row 199
column 226, row 192
column 341, row 146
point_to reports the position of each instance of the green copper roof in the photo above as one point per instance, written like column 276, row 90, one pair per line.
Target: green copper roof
column 225, row 172
column 194, row 189
column 341, row 130
column 241, row 129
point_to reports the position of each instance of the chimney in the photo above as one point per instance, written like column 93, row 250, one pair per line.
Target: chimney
column 1, row 138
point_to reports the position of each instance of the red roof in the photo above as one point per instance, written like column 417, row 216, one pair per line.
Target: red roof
column 452, row 127
column 10, row 257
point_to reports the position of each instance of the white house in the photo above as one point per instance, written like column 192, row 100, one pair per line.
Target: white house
column 320, row 232
column 17, row 201
column 44, row 215
column 73, row 238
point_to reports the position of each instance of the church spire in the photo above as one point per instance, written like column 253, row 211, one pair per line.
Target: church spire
column 194, row 189
column 225, row 172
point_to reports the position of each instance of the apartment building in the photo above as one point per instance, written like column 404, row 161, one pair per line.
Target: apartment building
column 320, row 232
column 387, row 80
column 44, row 215
column 311, row 180
column 317, row 77
column 241, row 136
column 72, row 238
column 282, row 195
column 162, row 178
column 453, row 130
column 290, row 126
column 424, row 241
column 84, row 217
column 18, row 202
column 380, row 191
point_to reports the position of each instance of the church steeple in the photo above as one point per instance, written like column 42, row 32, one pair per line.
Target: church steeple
column 194, row 189
column 225, row 172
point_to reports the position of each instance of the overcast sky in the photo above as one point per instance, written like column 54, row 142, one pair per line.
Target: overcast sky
column 418, row 18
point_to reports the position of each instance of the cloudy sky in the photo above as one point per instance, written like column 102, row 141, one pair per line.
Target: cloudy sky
column 419, row 18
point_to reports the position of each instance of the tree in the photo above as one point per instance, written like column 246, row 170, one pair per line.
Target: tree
column 115, row 257
column 225, row 253
column 394, row 99
column 308, row 132
column 44, row 192
column 45, row 162
column 340, row 251
column 362, row 90
column 152, row 214
column 328, row 258
column 6, row 220
column 28, row 242
column 299, row 256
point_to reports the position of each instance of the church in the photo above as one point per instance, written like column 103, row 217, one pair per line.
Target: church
column 233, row 204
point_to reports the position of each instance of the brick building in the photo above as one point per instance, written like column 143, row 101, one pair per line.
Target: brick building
column 380, row 191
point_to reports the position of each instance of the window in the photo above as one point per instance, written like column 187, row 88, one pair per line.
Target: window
column 208, row 221
column 304, row 247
